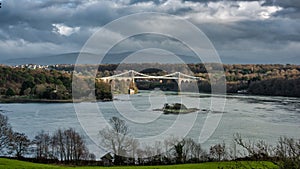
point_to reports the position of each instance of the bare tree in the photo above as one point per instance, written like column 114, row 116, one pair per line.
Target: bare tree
column 5, row 133
column 255, row 150
column 198, row 154
column 69, row 146
column 134, row 145
column 259, row 150
column 218, row 151
column 19, row 144
column 58, row 145
column 169, row 144
column 288, row 153
column 192, row 151
column 117, row 139
column 158, row 152
column 42, row 143
column 187, row 149
column 140, row 155
column 76, row 147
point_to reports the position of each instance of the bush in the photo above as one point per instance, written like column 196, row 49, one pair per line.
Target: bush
column 10, row 92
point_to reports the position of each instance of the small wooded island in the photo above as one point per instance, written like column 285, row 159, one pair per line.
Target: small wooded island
column 176, row 108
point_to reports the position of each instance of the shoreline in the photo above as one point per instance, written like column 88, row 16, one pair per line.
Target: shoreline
column 25, row 100
column 3, row 99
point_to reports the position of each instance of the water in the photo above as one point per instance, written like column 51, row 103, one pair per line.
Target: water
column 255, row 117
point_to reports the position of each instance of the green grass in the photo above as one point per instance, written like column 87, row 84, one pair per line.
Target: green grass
column 15, row 164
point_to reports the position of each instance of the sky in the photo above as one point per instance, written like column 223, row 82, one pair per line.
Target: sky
column 242, row 31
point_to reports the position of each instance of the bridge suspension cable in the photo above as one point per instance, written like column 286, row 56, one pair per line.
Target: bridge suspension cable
column 133, row 73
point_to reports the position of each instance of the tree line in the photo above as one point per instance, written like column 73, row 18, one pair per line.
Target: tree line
column 56, row 84
column 69, row 147
column 66, row 146
column 127, row 150
column 250, row 78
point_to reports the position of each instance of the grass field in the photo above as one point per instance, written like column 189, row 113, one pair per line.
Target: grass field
column 14, row 164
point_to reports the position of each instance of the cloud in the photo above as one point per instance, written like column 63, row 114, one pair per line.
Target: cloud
column 230, row 11
column 25, row 49
column 62, row 29
column 285, row 3
column 235, row 27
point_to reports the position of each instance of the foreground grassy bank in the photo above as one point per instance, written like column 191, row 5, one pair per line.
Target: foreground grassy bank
column 14, row 164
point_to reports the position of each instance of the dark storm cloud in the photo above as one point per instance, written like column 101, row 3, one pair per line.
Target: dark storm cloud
column 206, row 1
column 33, row 20
column 33, row 28
column 291, row 8
column 142, row 1
column 41, row 15
column 270, row 41
column 284, row 3
column 58, row 3
column 276, row 30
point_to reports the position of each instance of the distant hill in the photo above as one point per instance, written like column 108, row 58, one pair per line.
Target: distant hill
column 70, row 58
column 67, row 58
column 291, row 60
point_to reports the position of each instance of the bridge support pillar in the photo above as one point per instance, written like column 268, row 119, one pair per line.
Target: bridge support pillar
column 179, row 84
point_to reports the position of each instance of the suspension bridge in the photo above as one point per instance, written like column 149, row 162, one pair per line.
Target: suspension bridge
column 132, row 75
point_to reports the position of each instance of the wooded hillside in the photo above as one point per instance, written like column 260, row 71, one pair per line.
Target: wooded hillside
column 269, row 79
column 43, row 84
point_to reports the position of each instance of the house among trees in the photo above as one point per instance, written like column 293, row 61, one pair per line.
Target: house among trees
column 107, row 159
column 131, row 91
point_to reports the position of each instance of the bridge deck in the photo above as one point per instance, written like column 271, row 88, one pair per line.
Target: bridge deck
column 137, row 75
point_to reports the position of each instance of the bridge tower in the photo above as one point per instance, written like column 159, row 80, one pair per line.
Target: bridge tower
column 132, row 76
column 132, row 88
column 179, row 80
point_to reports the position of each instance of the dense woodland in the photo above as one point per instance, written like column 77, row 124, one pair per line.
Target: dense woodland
column 44, row 84
column 259, row 79
column 56, row 83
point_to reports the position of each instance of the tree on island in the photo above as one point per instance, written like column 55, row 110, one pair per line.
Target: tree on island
column 175, row 106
